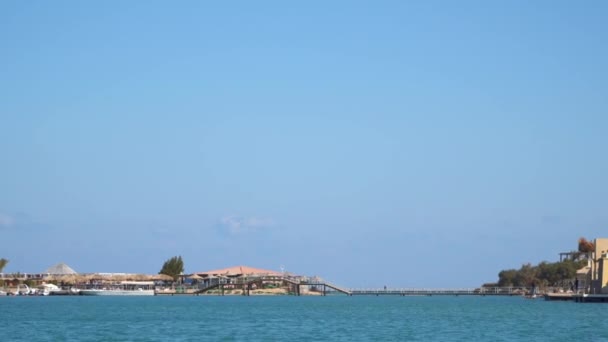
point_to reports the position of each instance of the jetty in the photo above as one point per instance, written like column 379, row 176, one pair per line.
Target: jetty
column 590, row 298
column 219, row 286
column 248, row 284
column 564, row 296
column 484, row 291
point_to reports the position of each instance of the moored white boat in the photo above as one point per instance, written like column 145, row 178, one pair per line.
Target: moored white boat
column 125, row 288
column 22, row 290
column 53, row 290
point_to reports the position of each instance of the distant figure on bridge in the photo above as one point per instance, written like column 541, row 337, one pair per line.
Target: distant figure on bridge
column 384, row 287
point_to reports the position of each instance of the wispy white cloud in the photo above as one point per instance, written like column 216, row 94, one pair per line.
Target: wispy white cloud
column 6, row 221
column 235, row 225
column 20, row 221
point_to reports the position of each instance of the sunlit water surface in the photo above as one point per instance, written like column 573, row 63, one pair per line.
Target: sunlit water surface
column 288, row 318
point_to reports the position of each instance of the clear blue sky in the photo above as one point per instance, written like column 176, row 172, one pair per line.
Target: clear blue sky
column 397, row 143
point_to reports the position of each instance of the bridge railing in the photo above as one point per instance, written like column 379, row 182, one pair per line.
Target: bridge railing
column 426, row 291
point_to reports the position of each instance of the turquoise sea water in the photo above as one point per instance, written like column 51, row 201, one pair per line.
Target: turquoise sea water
column 287, row 318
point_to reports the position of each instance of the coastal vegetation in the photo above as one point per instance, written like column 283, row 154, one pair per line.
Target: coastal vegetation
column 173, row 267
column 543, row 274
column 548, row 273
column 3, row 263
column 585, row 246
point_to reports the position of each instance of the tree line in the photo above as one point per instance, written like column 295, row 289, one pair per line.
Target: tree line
column 543, row 274
column 548, row 273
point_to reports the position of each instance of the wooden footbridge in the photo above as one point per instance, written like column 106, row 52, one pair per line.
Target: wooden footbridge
column 248, row 284
column 486, row 291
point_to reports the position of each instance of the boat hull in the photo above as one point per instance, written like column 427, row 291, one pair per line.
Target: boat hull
column 117, row 292
column 58, row 293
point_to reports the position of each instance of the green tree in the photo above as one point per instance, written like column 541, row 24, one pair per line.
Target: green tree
column 526, row 276
column 549, row 273
column 545, row 273
column 507, row 277
column 173, row 267
column 3, row 263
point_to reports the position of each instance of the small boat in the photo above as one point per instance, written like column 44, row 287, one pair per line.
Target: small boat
column 124, row 288
column 22, row 290
column 533, row 294
column 559, row 296
column 52, row 290
column 2, row 293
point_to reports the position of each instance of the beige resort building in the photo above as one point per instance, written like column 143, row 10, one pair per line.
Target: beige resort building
column 593, row 278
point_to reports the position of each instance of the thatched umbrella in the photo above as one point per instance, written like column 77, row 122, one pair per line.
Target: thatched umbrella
column 107, row 277
column 67, row 278
column 49, row 278
column 137, row 277
column 119, row 277
column 89, row 277
column 95, row 276
column 161, row 277
column 82, row 278
column 151, row 277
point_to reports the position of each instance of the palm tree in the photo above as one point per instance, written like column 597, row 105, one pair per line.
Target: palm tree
column 3, row 263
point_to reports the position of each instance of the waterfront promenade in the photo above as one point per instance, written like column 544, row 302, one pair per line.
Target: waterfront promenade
column 312, row 285
column 494, row 291
column 296, row 284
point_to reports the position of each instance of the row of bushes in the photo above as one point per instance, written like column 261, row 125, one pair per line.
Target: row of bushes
column 544, row 274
